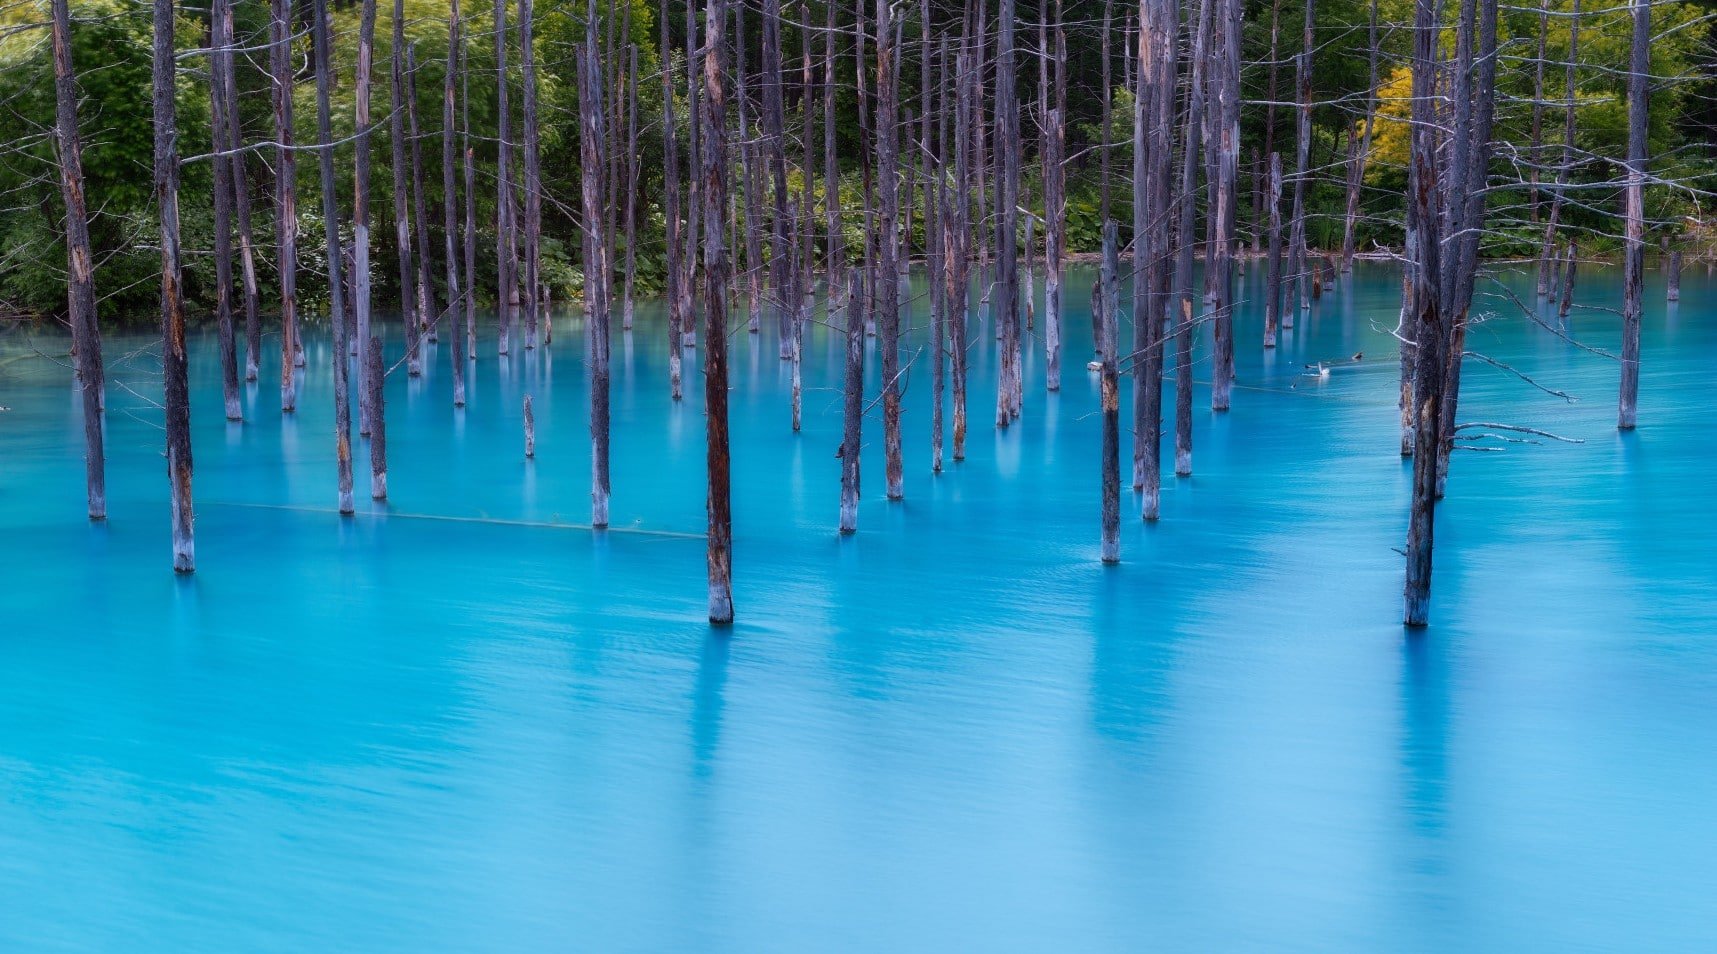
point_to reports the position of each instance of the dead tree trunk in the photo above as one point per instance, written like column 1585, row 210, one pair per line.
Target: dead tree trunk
column 173, row 370
column 631, row 182
column 1299, row 267
column 361, row 211
column 378, row 426
column 231, row 139
column 1356, row 166
column 1568, row 279
column 888, row 277
column 852, row 414
column 506, row 252
column 677, row 317
column 532, row 286
column 1008, row 378
column 836, row 250
column 714, row 147
column 470, row 171
column 1633, row 263
column 530, row 430
column 1672, row 280
column 401, row 207
column 80, row 262
column 960, row 249
column 1429, row 326
column 1184, row 312
column 1273, row 274
column 1055, row 210
column 285, row 199
column 592, row 138
column 334, row 255
column 1224, row 213
column 449, row 196
column 220, row 60
column 775, row 137
column 428, row 315
column 1109, row 299
column 1547, row 254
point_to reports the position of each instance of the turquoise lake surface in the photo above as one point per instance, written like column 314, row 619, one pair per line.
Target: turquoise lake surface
column 460, row 721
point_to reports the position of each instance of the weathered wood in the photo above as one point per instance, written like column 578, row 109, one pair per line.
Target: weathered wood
column 852, row 400
column 592, row 142
column 1108, row 303
column 456, row 301
column 428, row 310
column 1633, row 260
column 1298, row 269
column 1568, row 274
column 1429, row 325
column 231, row 139
column 1009, row 379
column 531, row 288
column 285, row 198
column 361, row 211
column 887, row 278
column 220, row 60
column 835, row 250
column 397, row 146
column 1055, row 209
column 1273, row 273
column 631, row 269
column 677, row 317
column 1547, row 252
column 719, row 550
column 1672, row 277
column 960, row 248
column 470, row 171
column 1356, row 162
column 378, row 425
column 1224, row 213
column 80, row 263
column 750, row 187
column 333, row 254
column 173, row 366
column 1184, row 317
column 506, row 291
column 530, row 430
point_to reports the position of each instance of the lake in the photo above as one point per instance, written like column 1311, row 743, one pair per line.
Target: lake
column 460, row 720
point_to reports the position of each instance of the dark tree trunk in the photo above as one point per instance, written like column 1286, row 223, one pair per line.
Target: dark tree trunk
column 532, row 285
column 220, row 61
column 1568, row 279
column 530, row 430
column 1356, row 164
column 1299, row 269
column 836, row 250
column 631, row 182
column 1672, row 280
column 960, row 248
column 1273, row 274
column 1224, row 214
column 1633, row 262
column 428, row 312
column 173, row 370
column 470, row 171
column 592, row 139
column 1184, row 314
column 1008, row 379
column 852, row 414
column 1055, row 210
column 677, row 316
column 80, row 262
column 449, row 197
column 286, row 200
column 361, row 213
column 378, row 426
column 334, row 255
column 231, row 139
column 1108, row 306
column 888, row 276
column 714, row 147
column 775, row 136
column 401, row 207
column 1547, row 254
column 506, row 251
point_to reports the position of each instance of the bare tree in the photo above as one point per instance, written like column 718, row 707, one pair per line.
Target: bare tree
column 173, row 365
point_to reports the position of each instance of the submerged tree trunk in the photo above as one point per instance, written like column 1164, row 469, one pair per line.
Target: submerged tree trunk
column 1273, row 274
column 505, row 250
column 592, row 137
column 1633, row 262
column 231, row 139
column 1055, row 211
column 428, row 316
column 220, row 61
column 888, row 276
column 401, row 207
column 1356, row 164
column 1008, row 378
column 1299, row 271
column 1184, row 313
column 80, row 263
column 719, row 555
column 1547, row 253
column 449, row 215
column 333, row 254
column 173, row 369
column 533, row 180
column 852, row 413
column 378, row 426
column 1108, row 298
column 1672, row 280
column 677, row 317
column 1224, row 213
column 285, row 198
column 361, row 213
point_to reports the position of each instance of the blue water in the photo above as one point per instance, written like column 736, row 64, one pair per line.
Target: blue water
column 459, row 721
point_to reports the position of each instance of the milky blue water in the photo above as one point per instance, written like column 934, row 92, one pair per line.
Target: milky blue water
column 459, row 721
